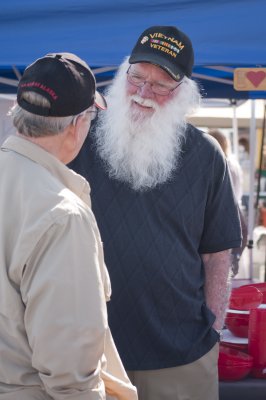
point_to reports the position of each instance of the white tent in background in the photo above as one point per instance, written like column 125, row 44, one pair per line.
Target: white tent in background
column 219, row 113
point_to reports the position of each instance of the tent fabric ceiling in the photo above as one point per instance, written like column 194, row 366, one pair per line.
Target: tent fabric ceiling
column 225, row 33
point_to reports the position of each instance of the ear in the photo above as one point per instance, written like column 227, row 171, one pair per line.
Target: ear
column 74, row 132
column 71, row 138
column 77, row 131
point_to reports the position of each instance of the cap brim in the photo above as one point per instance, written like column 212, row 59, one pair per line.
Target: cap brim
column 176, row 73
column 100, row 101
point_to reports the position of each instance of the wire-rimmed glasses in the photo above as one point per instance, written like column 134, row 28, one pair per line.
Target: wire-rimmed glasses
column 156, row 87
column 91, row 111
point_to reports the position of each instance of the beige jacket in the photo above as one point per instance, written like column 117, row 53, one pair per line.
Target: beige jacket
column 54, row 336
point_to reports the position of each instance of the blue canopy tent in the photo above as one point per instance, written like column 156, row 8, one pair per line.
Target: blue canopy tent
column 225, row 34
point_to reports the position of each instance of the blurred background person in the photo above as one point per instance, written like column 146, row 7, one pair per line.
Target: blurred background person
column 236, row 174
column 233, row 165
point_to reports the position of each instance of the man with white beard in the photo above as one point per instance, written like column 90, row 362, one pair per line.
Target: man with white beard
column 164, row 204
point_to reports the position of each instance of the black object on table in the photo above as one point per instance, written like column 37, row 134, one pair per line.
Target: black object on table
column 245, row 389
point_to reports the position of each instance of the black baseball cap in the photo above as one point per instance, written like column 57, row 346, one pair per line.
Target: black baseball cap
column 65, row 80
column 167, row 47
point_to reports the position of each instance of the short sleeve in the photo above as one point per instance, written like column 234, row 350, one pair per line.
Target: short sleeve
column 222, row 229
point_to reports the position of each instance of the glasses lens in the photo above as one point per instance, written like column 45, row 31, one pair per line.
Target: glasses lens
column 135, row 79
column 157, row 88
column 93, row 112
column 163, row 91
column 93, row 115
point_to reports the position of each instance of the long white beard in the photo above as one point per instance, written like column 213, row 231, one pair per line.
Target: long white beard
column 143, row 150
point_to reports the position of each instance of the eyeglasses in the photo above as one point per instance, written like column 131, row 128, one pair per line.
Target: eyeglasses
column 92, row 111
column 157, row 88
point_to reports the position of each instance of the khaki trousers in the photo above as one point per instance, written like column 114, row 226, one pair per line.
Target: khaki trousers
column 195, row 381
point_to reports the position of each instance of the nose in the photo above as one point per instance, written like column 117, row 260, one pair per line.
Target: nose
column 145, row 91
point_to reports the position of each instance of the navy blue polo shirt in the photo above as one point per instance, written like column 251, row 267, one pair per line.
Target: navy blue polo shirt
column 152, row 244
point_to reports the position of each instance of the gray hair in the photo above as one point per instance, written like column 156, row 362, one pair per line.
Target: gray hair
column 33, row 125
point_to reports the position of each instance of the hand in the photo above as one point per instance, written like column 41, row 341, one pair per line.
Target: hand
column 235, row 262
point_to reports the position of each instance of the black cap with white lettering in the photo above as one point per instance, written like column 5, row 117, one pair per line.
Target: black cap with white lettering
column 167, row 47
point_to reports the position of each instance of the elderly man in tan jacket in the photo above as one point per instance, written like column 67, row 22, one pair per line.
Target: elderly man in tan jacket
column 55, row 341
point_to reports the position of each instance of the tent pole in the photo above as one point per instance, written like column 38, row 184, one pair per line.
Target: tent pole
column 251, row 214
column 235, row 133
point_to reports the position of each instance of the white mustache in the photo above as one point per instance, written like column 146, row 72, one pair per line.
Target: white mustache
column 144, row 102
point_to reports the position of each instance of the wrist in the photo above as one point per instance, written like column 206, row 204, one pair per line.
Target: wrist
column 220, row 333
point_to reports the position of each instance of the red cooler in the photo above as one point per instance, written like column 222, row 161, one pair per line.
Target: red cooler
column 257, row 341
